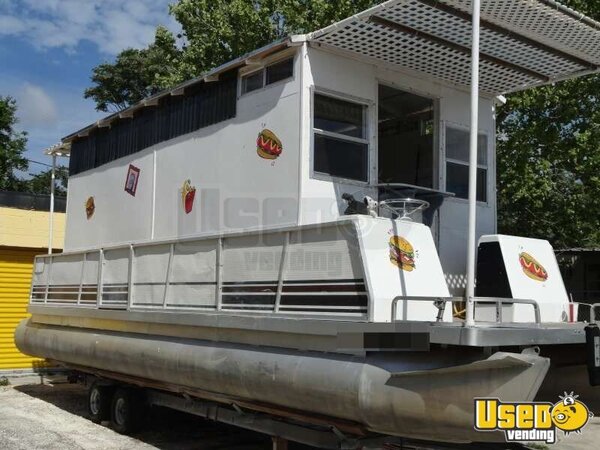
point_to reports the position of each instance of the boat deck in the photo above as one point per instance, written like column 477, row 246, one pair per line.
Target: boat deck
column 356, row 337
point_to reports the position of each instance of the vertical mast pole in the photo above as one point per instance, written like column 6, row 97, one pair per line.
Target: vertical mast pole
column 470, row 292
column 51, row 218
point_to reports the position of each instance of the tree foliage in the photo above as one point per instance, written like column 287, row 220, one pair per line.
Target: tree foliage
column 213, row 32
column 12, row 146
column 135, row 74
column 549, row 160
column 39, row 183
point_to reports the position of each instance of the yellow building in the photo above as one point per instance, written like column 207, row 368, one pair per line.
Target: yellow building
column 24, row 225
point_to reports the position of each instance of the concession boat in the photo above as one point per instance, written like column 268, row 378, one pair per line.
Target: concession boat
column 295, row 232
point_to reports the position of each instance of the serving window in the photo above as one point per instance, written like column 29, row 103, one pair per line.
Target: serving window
column 341, row 147
column 457, row 163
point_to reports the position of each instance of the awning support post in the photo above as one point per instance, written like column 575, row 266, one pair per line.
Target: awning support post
column 470, row 291
column 51, row 218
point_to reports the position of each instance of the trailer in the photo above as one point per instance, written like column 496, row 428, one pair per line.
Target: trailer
column 122, row 401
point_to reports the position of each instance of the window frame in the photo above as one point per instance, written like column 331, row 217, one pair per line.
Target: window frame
column 367, row 109
column 286, row 56
column 486, row 167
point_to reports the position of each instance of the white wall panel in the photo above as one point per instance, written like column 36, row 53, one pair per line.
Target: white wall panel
column 118, row 216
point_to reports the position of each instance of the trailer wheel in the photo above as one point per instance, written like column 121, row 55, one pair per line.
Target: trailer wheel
column 125, row 411
column 99, row 400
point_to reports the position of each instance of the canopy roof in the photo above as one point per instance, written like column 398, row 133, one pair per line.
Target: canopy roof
column 524, row 43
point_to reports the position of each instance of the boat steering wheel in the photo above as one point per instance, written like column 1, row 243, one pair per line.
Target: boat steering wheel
column 404, row 208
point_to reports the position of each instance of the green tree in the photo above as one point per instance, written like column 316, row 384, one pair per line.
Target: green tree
column 135, row 74
column 39, row 183
column 213, row 32
column 549, row 160
column 12, row 146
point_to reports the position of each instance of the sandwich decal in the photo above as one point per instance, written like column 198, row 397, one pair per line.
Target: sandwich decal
column 90, row 207
column 532, row 268
column 402, row 253
column 268, row 145
column 188, row 193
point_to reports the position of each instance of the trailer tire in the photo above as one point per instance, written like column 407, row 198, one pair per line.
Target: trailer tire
column 125, row 411
column 99, row 401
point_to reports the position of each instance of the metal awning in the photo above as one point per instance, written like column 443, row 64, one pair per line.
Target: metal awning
column 524, row 43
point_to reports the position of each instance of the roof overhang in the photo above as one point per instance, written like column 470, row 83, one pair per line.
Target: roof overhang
column 60, row 149
column 523, row 43
column 208, row 77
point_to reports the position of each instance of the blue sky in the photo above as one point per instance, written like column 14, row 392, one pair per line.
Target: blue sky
column 48, row 49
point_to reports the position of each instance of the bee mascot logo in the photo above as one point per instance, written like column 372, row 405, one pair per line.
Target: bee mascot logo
column 532, row 421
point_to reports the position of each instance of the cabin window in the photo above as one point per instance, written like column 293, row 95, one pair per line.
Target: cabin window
column 341, row 148
column 271, row 74
column 279, row 71
column 252, row 82
column 406, row 138
column 457, row 163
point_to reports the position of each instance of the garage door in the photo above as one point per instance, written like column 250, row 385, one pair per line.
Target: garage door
column 15, row 279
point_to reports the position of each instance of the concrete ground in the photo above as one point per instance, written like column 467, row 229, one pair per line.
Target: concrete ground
column 52, row 415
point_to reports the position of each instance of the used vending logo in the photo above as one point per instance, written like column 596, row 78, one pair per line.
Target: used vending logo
column 532, row 421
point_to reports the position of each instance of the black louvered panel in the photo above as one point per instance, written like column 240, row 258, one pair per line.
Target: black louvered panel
column 175, row 116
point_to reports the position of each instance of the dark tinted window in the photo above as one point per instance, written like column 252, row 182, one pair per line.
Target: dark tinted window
column 340, row 158
column 457, row 181
column 339, row 116
column 252, row 82
column 280, row 71
column 457, row 146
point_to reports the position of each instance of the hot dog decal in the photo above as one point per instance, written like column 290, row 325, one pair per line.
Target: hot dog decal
column 268, row 145
column 402, row 253
column 532, row 268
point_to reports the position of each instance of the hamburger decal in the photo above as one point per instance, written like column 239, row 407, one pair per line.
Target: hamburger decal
column 532, row 268
column 268, row 145
column 90, row 207
column 188, row 194
column 402, row 253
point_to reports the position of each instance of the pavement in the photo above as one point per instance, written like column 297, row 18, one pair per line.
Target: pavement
column 51, row 414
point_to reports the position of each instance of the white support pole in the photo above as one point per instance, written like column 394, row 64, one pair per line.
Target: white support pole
column 51, row 218
column 470, row 293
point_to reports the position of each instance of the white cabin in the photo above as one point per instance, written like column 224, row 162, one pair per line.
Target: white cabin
column 345, row 125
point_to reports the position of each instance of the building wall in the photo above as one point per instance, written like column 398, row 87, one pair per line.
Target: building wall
column 23, row 234
column 25, row 228
column 16, row 266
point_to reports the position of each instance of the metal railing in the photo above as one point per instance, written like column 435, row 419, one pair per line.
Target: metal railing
column 440, row 303
column 115, row 278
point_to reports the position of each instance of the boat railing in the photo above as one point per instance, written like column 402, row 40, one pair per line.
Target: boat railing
column 440, row 303
column 228, row 273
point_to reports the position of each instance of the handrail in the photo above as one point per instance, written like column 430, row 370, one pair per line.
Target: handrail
column 501, row 301
column 498, row 301
column 436, row 300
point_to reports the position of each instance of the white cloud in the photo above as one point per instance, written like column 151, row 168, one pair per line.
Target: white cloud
column 110, row 24
column 36, row 107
